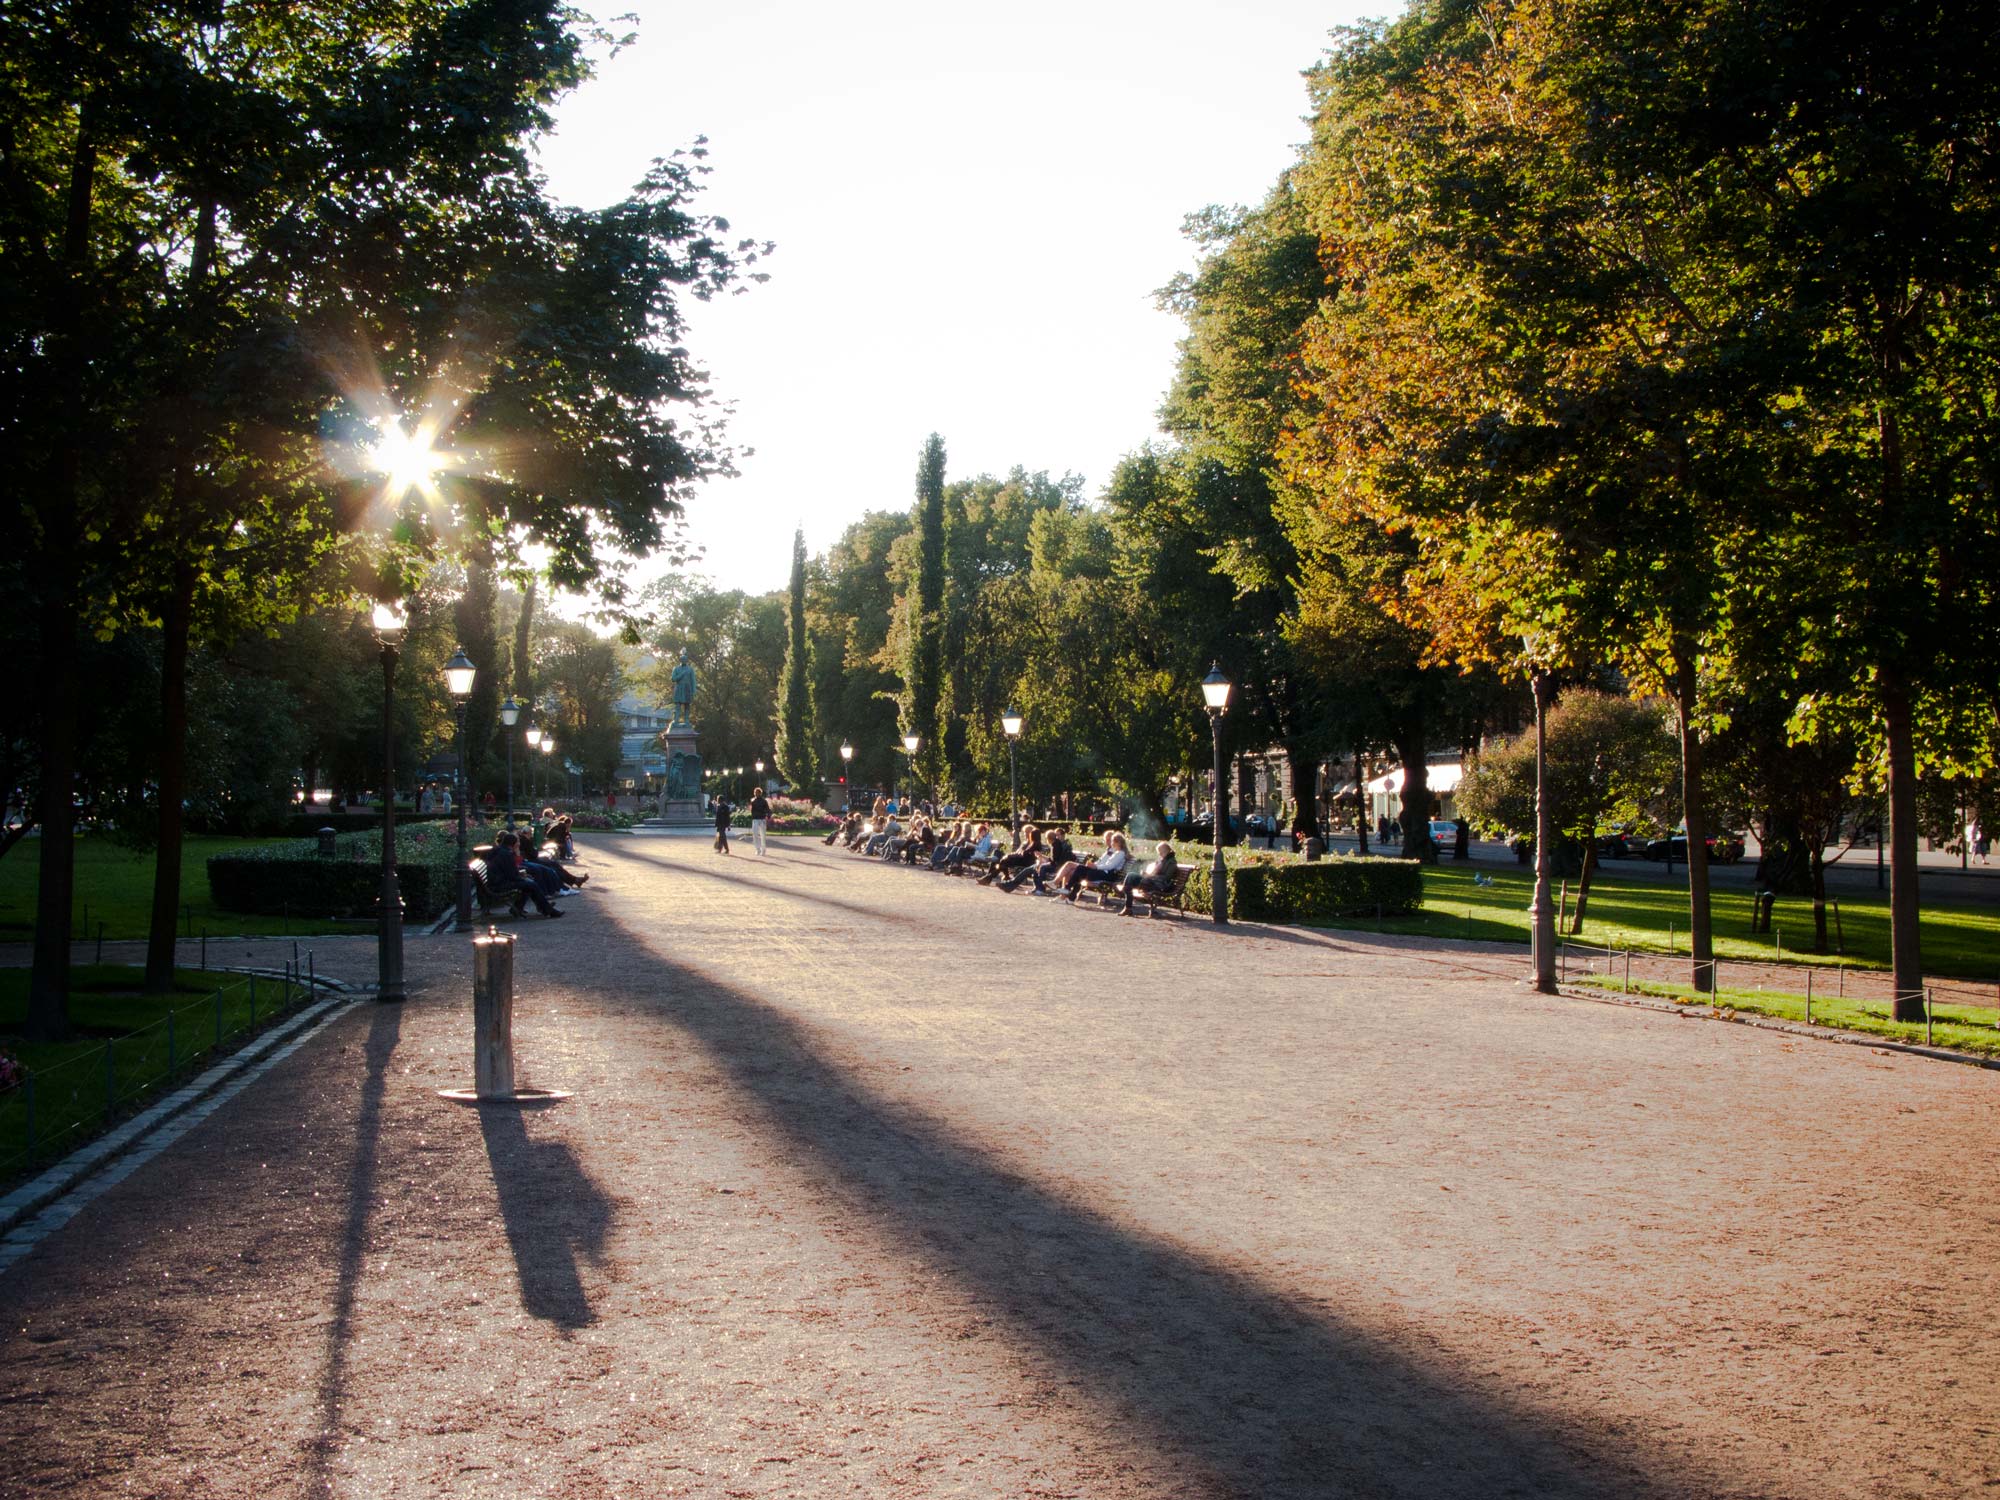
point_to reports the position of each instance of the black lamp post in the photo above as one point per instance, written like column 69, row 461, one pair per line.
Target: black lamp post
column 534, row 738
column 510, row 715
column 1010, row 724
column 548, row 753
column 912, row 744
column 458, row 675
column 1215, row 693
column 846, row 769
column 390, row 622
column 1543, row 910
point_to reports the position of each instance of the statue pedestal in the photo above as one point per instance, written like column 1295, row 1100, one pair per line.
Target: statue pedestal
column 680, row 798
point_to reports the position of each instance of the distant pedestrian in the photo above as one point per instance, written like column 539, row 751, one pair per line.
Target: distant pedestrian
column 723, row 811
column 760, row 814
column 1979, row 840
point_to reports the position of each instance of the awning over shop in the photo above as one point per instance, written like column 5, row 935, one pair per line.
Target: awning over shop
column 1443, row 781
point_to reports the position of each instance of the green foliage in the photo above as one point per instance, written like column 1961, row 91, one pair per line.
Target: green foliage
column 736, row 642
column 296, row 879
column 923, row 609
column 1611, row 760
column 1264, row 888
column 796, row 756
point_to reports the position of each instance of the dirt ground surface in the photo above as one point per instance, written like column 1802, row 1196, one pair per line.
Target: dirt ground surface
column 876, row 1183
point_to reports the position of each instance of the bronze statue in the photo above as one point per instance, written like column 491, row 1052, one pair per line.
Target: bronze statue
column 683, row 678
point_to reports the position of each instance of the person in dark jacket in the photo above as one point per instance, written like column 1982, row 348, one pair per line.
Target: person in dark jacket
column 1155, row 878
column 760, row 815
column 1052, row 859
column 724, row 810
column 1025, row 857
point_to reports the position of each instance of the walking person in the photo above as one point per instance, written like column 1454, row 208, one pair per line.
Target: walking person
column 724, row 809
column 760, row 814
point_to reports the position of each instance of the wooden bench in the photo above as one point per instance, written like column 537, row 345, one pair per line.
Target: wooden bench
column 488, row 896
column 1175, row 896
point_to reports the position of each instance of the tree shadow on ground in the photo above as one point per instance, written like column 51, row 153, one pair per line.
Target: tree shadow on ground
column 385, row 1029
column 1254, row 1392
column 552, row 1210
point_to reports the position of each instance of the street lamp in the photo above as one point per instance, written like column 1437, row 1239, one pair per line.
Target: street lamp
column 1010, row 725
column 846, row 765
column 534, row 738
column 760, row 773
column 911, row 743
column 1215, row 693
column 548, row 753
column 390, row 623
column 458, row 675
column 510, row 715
column 1543, row 910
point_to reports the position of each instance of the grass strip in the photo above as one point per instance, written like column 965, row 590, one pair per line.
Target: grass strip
column 127, row 1048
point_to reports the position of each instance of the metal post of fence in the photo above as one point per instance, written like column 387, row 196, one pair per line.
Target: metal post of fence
column 1928, row 994
column 1778, row 935
column 100, row 942
column 1809, row 974
column 204, row 948
column 1670, row 937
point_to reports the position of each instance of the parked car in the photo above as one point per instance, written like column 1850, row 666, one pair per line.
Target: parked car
column 1444, row 833
column 1622, row 843
column 1723, row 848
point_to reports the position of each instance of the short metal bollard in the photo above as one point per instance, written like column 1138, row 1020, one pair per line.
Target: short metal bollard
column 493, row 1028
column 1314, row 850
column 327, row 839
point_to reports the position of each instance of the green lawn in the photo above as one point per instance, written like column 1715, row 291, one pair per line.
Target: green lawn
column 1958, row 941
column 125, row 1049
column 1965, row 1028
column 116, row 886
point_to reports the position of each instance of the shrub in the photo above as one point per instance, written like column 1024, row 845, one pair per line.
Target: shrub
column 296, row 879
column 1266, row 889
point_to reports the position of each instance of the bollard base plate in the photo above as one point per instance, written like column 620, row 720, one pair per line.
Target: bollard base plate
column 520, row 1098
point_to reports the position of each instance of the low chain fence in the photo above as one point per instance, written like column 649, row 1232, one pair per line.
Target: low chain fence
column 57, row 1107
column 1962, row 1014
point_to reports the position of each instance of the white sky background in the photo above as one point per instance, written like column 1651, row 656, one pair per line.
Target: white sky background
column 972, row 207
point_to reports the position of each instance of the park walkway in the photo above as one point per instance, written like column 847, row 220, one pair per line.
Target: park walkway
column 880, row 1184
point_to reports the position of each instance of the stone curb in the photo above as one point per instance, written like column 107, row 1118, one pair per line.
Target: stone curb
column 1701, row 1012
column 63, row 1178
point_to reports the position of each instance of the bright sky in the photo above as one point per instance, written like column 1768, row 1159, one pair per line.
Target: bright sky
column 972, row 207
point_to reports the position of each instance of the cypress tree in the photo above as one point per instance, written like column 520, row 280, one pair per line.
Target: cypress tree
column 796, row 761
column 927, row 613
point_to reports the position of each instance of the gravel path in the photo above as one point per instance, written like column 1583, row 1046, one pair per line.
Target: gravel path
column 881, row 1184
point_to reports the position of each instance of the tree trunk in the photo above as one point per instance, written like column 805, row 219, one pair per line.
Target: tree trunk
column 173, row 780
column 1361, row 808
column 1583, row 886
column 1701, row 933
column 48, row 979
column 1905, row 955
column 1416, row 796
column 1818, row 859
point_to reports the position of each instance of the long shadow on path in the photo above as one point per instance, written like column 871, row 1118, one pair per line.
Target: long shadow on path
column 1252, row 1392
column 552, row 1210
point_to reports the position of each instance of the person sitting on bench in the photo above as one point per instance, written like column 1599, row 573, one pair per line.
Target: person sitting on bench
column 844, row 832
column 1106, row 869
column 886, row 828
column 977, row 844
column 507, row 871
column 1025, row 857
column 917, row 851
column 1053, row 858
column 1155, row 879
column 556, row 830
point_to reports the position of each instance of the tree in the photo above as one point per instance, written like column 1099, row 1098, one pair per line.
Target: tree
column 207, row 210
column 923, row 606
column 1610, row 760
column 796, row 756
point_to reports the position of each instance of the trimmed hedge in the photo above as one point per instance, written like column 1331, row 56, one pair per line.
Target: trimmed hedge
column 1295, row 891
column 307, row 885
column 306, row 825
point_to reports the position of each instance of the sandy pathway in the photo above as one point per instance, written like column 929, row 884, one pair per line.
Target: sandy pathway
column 881, row 1184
